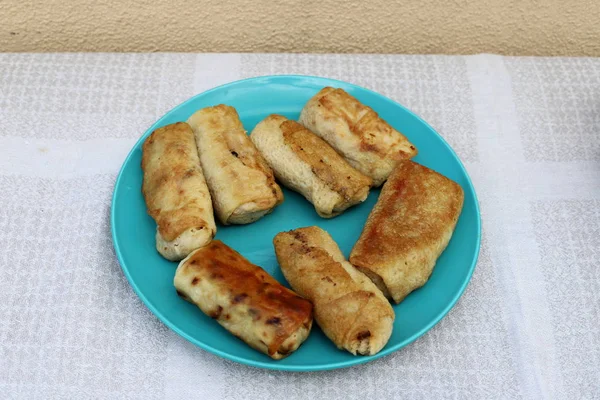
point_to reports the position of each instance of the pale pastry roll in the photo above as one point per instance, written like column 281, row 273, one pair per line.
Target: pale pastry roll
column 241, row 183
column 408, row 229
column 348, row 307
column 307, row 164
column 355, row 131
column 175, row 191
column 244, row 299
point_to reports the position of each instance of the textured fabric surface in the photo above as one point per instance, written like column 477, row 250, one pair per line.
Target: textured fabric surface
column 526, row 327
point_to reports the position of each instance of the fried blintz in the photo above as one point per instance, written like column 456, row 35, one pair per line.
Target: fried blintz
column 307, row 164
column 244, row 299
column 355, row 131
column 175, row 191
column 241, row 183
column 408, row 229
column 348, row 307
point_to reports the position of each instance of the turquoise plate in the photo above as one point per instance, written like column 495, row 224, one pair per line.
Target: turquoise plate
column 152, row 276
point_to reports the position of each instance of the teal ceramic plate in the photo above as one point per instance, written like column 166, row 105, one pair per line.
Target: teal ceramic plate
column 152, row 276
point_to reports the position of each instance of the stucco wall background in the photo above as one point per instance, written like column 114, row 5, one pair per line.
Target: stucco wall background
column 528, row 27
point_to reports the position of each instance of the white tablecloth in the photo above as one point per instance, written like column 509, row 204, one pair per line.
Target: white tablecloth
column 528, row 325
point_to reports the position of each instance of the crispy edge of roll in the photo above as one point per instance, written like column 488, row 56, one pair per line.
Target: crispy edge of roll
column 348, row 307
column 175, row 191
column 307, row 164
column 408, row 229
column 241, row 183
column 244, row 299
column 357, row 132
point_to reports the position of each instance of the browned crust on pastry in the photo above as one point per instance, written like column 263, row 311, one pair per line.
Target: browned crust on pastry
column 245, row 151
column 172, row 175
column 242, row 184
column 251, row 303
column 357, row 132
column 408, row 228
column 363, row 122
column 325, row 163
column 350, row 310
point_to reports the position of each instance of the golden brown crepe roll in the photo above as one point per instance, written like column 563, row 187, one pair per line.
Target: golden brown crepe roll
column 244, row 299
column 349, row 308
column 305, row 163
column 408, row 229
column 241, row 183
column 355, row 131
column 175, row 191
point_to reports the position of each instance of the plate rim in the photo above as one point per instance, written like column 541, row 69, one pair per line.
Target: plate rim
column 271, row 365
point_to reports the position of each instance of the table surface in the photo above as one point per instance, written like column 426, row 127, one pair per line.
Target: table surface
column 527, row 129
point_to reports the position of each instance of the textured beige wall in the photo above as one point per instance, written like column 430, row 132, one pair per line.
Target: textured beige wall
column 527, row 27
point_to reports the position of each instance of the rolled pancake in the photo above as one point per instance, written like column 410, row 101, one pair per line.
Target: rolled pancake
column 244, row 299
column 348, row 307
column 408, row 229
column 241, row 184
column 175, row 191
column 355, row 131
column 307, row 164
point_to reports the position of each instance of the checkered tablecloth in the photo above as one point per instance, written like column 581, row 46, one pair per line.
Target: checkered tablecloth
column 528, row 325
